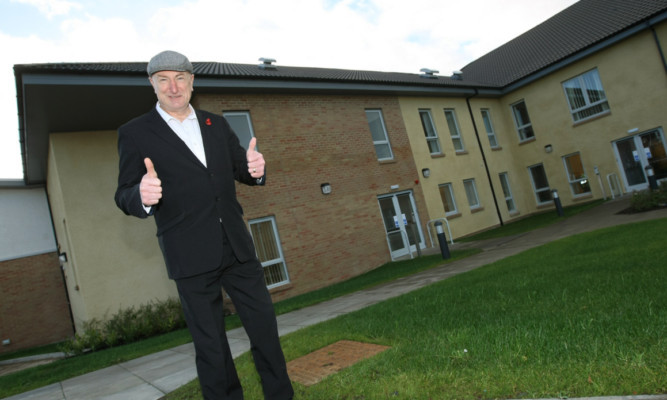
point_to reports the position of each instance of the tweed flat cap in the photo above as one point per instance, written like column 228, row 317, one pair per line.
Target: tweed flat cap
column 168, row 61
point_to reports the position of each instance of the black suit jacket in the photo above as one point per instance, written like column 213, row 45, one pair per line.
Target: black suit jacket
column 198, row 201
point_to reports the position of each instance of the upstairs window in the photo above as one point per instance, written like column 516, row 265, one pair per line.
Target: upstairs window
column 522, row 121
column 454, row 131
column 585, row 96
column 429, row 131
column 242, row 126
column 379, row 135
column 488, row 126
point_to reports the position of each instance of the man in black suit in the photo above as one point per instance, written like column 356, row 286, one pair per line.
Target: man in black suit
column 179, row 165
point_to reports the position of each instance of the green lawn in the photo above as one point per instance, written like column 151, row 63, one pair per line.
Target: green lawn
column 583, row 316
column 60, row 370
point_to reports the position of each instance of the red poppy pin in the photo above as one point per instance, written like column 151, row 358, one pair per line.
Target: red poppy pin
column 208, row 121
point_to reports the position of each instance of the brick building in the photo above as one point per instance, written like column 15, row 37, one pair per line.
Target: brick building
column 34, row 309
column 348, row 151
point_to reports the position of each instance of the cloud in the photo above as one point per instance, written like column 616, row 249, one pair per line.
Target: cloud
column 51, row 8
column 380, row 35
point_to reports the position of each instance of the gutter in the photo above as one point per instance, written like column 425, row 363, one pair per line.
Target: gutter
column 481, row 150
column 19, row 105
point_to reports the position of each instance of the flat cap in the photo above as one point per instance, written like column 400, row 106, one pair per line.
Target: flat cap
column 168, row 61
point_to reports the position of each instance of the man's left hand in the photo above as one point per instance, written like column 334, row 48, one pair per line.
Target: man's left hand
column 255, row 160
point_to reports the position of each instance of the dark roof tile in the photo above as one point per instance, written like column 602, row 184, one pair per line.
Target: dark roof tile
column 574, row 29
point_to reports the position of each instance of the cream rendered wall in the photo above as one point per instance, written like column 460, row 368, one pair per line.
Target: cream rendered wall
column 452, row 167
column 114, row 261
column 635, row 84
column 502, row 158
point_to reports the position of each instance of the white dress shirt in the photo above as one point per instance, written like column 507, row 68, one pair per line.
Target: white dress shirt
column 188, row 131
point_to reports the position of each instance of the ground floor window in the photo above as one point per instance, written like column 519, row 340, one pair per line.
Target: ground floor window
column 447, row 196
column 540, row 184
column 269, row 251
column 507, row 191
column 471, row 193
column 579, row 183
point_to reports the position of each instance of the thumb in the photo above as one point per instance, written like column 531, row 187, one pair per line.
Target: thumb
column 150, row 169
column 252, row 144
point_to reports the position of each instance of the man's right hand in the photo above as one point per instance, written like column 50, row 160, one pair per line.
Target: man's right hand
column 150, row 187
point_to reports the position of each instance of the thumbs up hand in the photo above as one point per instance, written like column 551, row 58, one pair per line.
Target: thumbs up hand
column 255, row 160
column 150, row 187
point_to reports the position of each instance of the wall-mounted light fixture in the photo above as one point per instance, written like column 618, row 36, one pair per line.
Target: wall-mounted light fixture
column 548, row 148
column 326, row 188
column 62, row 257
column 426, row 172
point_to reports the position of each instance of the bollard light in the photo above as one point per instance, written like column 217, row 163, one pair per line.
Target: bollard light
column 442, row 240
column 559, row 206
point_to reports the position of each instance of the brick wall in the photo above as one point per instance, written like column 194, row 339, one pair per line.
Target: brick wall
column 33, row 305
column 308, row 140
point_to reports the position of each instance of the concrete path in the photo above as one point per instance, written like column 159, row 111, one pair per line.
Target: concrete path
column 153, row 376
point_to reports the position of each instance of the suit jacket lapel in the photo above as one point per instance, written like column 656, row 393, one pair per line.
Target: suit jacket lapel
column 211, row 148
column 160, row 127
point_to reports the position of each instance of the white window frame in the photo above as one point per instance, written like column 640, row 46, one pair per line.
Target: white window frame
column 542, row 193
column 488, row 126
column 380, row 142
column 585, row 96
column 523, row 128
column 230, row 116
column 579, row 185
column 507, row 191
column 471, row 193
column 450, row 190
column 454, row 130
column 431, row 134
column 268, row 265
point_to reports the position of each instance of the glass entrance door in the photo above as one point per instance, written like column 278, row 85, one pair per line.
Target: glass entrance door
column 401, row 223
column 635, row 153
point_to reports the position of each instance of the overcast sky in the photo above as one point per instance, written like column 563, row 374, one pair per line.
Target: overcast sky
column 379, row 35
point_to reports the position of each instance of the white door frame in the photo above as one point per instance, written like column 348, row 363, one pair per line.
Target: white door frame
column 639, row 155
column 398, row 233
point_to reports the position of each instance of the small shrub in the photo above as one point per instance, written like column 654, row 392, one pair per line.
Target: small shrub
column 649, row 199
column 127, row 326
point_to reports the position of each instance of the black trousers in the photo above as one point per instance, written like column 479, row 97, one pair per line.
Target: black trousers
column 202, row 302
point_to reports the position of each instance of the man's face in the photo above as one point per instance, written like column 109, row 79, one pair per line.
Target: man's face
column 173, row 90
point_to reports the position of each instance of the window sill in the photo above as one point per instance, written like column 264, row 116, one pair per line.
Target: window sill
column 461, row 153
column 476, row 210
column 383, row 162
column 514, row 214
column 497, row 148
column 581, row 197
column 521, row 143
column 281, row 288
column 593, row 118
column 452, row 216
column 441, row 155
column 545, row 206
